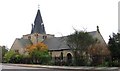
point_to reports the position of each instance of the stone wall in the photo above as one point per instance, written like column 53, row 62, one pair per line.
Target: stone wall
column 57, row 54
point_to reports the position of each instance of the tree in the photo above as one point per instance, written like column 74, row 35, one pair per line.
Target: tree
column 114, row 46
column 79, row 42
column 99, row 53
column 39, row 46
column 3, row 50
column 98, row 49
column 39, row 53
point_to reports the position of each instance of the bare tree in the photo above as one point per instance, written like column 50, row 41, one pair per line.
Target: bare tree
column 79, row 42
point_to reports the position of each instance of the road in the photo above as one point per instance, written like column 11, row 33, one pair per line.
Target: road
column 6, row 67
column 11, row 67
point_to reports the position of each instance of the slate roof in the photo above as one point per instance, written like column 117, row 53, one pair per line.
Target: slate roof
column 56, row 43
column 24, row 42
column 92, row 33
column 38, row 17
column 38, row 26
column 59, row 43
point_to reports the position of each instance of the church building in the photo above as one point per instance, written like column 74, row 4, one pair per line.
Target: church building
column 56, row 45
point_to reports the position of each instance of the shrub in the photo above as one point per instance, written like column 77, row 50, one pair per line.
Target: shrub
column 9, row 55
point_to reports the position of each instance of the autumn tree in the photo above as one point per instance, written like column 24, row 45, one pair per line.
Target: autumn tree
column 39, row 53
column 39, row 46
column 98, row 49
column 99, row 53
column 78, row 43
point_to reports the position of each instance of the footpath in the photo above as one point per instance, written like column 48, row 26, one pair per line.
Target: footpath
column 69, row 67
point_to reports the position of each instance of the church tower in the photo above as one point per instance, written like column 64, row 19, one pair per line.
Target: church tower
column 38, row 26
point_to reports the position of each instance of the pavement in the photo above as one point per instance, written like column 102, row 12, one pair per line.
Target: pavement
column 69, row 67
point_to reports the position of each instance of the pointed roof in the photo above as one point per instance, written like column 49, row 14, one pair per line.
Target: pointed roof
column 38, row 26
column 38, row 18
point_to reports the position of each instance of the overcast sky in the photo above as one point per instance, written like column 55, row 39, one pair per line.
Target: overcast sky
column 59, row 17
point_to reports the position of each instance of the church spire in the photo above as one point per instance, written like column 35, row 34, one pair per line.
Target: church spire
column 38, row 18
column 38, row 24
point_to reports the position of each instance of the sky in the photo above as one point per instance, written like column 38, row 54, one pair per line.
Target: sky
column 59, row 17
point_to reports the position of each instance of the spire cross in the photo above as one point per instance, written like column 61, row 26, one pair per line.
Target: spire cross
column 38, row 6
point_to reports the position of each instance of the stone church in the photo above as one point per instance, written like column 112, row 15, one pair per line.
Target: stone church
column 56, row 45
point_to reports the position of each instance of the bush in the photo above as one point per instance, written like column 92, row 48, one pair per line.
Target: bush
column 45, row 57
column 40, row 57
column 115, row 63
column 16, row 58
column 8, row 56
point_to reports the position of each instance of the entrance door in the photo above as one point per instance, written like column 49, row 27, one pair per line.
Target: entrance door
column 69, row 58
